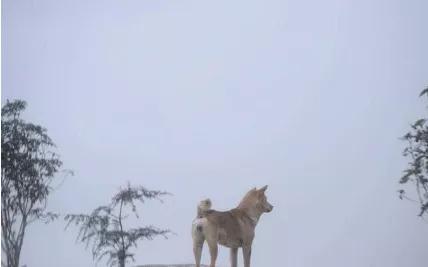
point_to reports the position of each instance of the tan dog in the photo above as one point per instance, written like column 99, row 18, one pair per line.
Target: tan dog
column 233, row 228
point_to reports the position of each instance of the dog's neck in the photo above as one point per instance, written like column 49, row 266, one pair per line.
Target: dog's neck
column 252, row 213
column 249, row 204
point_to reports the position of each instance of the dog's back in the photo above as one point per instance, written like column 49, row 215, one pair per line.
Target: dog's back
column 225, row 226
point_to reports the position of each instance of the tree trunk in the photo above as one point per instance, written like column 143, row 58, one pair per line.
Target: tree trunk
column 121, row 262
column 13, row 244
column 122, row 257
column 12, row 257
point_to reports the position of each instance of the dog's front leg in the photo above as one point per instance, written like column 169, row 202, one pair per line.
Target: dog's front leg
column 234, row 257
column 246, row 251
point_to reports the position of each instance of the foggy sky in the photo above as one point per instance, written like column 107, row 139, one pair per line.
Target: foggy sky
column 211, row 98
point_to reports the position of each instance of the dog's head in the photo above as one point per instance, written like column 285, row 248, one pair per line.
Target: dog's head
column 257, row 199
column 262, row 200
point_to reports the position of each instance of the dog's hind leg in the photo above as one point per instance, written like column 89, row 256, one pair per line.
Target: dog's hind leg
column 197, row 251
column 198, row 242
column 234, row 257
column 212, row 244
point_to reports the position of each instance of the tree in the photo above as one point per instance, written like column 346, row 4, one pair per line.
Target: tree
column 417, row 170
column 104, row 226
column 27, row 169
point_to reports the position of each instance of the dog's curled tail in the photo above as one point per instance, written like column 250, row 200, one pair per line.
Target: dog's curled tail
column 203, row 207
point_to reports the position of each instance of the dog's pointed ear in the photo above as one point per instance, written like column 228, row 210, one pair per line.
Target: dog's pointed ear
column 263, row 189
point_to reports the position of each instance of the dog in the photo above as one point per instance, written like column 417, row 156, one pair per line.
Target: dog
column 233, row 228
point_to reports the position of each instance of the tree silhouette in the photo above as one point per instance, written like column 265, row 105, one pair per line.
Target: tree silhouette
column 417, row 170
column 104, row 226
column 27, row 169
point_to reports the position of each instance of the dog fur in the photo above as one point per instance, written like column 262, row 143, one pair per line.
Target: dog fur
column 233, row 228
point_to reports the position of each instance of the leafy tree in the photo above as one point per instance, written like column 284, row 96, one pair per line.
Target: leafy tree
column 104, row 226
column 417, row 170
column 27, row 169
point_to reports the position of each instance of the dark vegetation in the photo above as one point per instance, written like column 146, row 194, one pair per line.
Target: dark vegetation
column 416, row 174
column 29, row 165
column 105, row 228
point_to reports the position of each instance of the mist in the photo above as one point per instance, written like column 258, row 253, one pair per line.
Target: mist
column 210, row 99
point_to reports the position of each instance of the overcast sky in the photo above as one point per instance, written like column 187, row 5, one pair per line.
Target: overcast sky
column 211, row 98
